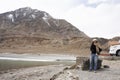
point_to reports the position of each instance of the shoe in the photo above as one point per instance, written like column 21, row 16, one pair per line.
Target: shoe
column 95, row 72
column 90, row 70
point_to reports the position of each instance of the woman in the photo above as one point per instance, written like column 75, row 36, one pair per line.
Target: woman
column 95, row 51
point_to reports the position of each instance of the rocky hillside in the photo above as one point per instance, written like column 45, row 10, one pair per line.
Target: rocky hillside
column 32, row 29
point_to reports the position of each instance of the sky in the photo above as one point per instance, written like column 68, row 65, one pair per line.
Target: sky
column 96, row 18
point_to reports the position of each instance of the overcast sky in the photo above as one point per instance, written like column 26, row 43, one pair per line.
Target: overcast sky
column 96, row 18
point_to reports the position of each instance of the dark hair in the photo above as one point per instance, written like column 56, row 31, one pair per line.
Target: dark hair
column 92, row 43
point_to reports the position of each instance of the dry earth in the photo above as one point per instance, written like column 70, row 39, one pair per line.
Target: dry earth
column 111, row 73
column 47, row 72
column 34, row 73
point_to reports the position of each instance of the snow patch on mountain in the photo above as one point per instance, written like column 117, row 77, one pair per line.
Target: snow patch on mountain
column 11, row 17
column 24, row 14
column 33, row 16
column 45, row 18
column 56, row 22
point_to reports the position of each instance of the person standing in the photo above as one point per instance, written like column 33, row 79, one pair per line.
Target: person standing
column 95, row 51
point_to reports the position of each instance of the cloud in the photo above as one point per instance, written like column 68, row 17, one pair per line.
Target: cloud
column 96, row 1
column 102, row 21
column 103, row 1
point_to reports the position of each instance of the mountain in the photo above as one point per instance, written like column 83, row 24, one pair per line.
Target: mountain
column 32, row 29
column 32, row 22
column 115, row 38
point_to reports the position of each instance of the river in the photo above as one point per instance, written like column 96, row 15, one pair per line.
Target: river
column 13, row 61
column 35, row 57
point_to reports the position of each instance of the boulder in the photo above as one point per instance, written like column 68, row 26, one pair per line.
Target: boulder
column 84, row 62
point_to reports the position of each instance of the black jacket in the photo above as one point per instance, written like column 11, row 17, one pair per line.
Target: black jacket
column 93, row 49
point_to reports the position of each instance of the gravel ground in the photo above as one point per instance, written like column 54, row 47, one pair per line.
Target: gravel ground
column 34, row 73
column 112, row 73
column 47, row 72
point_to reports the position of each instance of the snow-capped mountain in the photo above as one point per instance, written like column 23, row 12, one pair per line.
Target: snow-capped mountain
column 32, row 22
column 26, row 26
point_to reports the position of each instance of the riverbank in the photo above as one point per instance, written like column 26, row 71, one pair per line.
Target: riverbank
column 33, row 73
column 10, row 64
column 109, row 73
column 48, row 72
